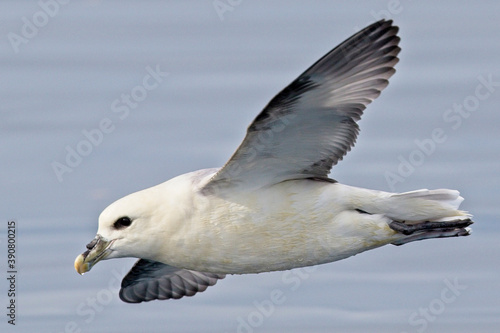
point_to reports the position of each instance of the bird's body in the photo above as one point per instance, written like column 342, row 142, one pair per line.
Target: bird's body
column 291, row 224
column 272, row 206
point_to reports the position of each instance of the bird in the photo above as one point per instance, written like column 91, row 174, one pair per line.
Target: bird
column 273, row 206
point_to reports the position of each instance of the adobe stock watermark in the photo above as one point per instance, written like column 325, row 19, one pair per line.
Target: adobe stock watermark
column 221, row 7
column 420, row 319
column 453, row 117
column 32, row 25
column 120, row 108
column 266, row 308
column 12, row 271
column 88, row 309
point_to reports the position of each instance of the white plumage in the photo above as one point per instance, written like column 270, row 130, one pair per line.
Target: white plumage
column 272, row 206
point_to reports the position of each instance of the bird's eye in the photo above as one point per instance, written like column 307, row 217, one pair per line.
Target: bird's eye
column 122, row 222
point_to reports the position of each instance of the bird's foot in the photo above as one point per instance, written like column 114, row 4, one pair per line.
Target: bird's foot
column 426, row 230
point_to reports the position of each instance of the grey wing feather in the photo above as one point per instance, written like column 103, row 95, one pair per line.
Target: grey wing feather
column 311, row 124
column 149, row 280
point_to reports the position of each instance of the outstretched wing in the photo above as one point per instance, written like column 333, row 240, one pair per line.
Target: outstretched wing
column 149, row 280
column 311, row 124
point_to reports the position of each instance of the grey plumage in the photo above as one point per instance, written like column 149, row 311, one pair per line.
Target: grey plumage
column 319, row 110
column 149, row 280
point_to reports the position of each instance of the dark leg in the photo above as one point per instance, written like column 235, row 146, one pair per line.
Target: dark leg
column 410, row 229
column 428, row 230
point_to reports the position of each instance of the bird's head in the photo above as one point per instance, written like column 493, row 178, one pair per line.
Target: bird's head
column 127, row 228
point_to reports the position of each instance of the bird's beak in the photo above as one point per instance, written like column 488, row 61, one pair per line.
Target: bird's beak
column 98, row 249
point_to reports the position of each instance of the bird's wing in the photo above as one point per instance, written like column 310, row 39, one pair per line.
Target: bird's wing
column 149, row 280
column 311, row 124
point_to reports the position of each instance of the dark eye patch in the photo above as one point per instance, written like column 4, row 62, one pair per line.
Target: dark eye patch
column 122, row 222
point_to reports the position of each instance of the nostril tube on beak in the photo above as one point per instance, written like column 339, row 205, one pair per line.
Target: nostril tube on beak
column 93, row 243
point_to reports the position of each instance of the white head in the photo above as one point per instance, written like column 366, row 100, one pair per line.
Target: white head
column 128, row 227
column 143, row 224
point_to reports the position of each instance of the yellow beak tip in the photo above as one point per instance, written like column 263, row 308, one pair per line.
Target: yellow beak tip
column 81, row 266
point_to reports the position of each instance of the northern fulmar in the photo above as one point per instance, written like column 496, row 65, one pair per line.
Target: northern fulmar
column 272, row 206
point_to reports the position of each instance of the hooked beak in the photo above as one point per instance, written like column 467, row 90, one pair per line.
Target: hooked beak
column 97, row 250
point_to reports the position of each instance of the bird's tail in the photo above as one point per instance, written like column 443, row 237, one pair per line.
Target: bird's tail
column 416, row 215
column 425, row 214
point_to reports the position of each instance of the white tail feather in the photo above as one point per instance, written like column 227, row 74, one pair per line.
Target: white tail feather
column 450, row 197
column 426, row 205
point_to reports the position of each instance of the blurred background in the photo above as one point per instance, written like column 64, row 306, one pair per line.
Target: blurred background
column 82, row 124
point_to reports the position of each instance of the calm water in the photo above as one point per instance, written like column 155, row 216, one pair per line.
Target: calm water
column 63, row 79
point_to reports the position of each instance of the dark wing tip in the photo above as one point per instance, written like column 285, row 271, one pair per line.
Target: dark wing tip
column 150, row 280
